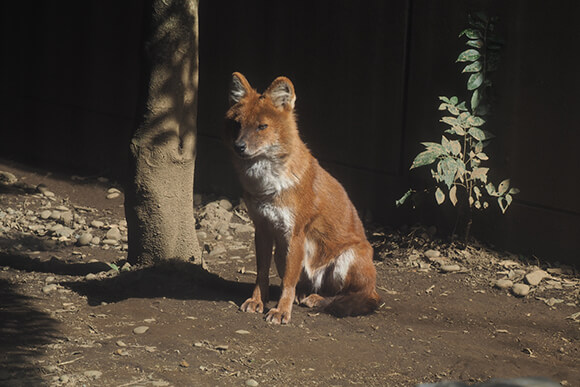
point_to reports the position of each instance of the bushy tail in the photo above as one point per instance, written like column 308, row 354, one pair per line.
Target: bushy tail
column 352, row 304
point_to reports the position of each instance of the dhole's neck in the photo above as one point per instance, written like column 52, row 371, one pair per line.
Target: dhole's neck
column 270, row 175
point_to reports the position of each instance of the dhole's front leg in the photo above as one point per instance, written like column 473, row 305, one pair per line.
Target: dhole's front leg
column 264, row 243
column 282, row 313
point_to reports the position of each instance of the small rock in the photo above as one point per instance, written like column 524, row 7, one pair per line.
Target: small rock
column 184, row 364
column 535, row 277
column 201, row 235
column 97, row 224
column 93, row 374
column 243, row 229
column 114, row 233
column 450, row 268
column 64, row 379
column 252, row 383
column 242, row 332
column 110, row 242
column 219, row 251
column 49, row 194
column 67, row 218
column 225, row 204
column 49, row 279
column 140, row 330
column 7, row 178
column 96, row 241
column 49, row 288
column 85, row 239
column 55, row 214
column 120, row 343
column 91, row 276
column 126, row 267
column 430, row 254
column 113, row 190
column 222, row 347
column 521, row 290
column 64, row 232
column 113, row 195
column 45, row 214
column 503, row 284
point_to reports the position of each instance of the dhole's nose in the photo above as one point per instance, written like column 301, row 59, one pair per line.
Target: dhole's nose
column 240, row 146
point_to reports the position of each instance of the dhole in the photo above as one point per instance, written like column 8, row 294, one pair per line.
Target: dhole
column 321, row 251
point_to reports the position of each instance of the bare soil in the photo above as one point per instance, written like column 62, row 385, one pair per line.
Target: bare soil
column 432, row 326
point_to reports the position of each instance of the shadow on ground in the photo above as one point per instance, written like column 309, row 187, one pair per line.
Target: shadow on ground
column 23, row 331
column 176, row 280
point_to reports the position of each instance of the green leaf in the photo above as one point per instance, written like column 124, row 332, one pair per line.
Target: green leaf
column 113, row 266
column 404, row 198
column 455, row 147
column 475, row 100
column 462, row 107
column 471, row 33
column 450, row 120
column 453, row 195
column 453, row 100
column 475, row 121
column 503, row 187
column 447, row 169
column 482, row 156
column 444, row 99
column 474, row 81
column 425, row 158
column 468, row 55
column 480, row 173
column 490, row 188
column 442, row 106
column 434, row 146
column 508, row 199
column 502, row 205
column 439, row 196
column 473, row 67
column 478, row 147
column 477, row 192
column 514, row 191
column 476, row 43
column 476, row 133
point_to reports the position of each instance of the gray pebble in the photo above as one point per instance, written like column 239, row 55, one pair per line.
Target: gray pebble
column 114, row 233
column 450, row 268
column 91, row 276
column 225, row 204
column 110, row 242
column 503, row 284
column 7, row 178
column 85, row 239
column 96, row 241
column 97, row 224
column 251, row 383
column 140, row 330
column 49, row 288
column 521, row 290
column 45, row 214
column 432, row 254
column 535, row 277
column 113, row 195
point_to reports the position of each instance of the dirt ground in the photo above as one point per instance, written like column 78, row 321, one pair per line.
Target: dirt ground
column 73, row 314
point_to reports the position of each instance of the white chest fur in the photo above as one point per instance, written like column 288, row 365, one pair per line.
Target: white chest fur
column 265, row 177
column 280, row 218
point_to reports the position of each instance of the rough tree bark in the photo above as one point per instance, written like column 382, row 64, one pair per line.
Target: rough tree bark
column 159, row 190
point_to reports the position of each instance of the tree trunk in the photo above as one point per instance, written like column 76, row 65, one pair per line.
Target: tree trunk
column 159, row 190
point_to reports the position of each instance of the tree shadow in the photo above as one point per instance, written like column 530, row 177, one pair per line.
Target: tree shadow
column 174, row 279
column 23, row 331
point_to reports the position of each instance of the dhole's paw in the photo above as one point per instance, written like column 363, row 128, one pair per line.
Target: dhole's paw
column 276, row 316
column 313, row 301
column 253, row 306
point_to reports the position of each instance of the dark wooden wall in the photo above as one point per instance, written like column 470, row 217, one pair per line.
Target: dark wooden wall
column 367, row 76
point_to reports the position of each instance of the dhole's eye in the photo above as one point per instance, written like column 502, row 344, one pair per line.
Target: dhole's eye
column 262, row 127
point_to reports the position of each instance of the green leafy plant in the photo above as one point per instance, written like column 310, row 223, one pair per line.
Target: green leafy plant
column 459, row 173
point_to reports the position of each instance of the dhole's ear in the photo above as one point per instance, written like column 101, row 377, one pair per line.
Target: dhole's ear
column 281, row 92
column 239, row 88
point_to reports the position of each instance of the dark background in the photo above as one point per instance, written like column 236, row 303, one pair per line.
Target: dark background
column 367, row 76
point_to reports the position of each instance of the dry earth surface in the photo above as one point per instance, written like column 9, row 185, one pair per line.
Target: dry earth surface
column 73, row 313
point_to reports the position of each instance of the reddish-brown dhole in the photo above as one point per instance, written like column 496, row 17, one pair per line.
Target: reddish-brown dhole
column 321, row 252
